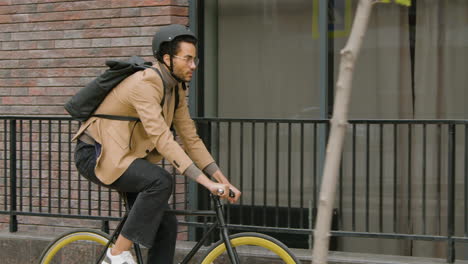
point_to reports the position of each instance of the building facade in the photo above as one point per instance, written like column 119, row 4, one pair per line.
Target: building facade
column 269, row 59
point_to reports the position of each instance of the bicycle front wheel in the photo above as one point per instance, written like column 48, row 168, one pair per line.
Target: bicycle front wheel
column 82, row 245
column 251, row 248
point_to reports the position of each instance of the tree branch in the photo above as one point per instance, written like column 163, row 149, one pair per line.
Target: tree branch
column 339, row 122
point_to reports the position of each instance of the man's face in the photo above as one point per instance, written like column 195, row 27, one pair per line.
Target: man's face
column 184, row 61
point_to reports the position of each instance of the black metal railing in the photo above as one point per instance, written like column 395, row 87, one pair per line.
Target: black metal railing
column 40, row 179
column 399, row 179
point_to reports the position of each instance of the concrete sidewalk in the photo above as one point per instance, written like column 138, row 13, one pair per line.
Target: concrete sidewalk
column 24, row 248
column 361, row 258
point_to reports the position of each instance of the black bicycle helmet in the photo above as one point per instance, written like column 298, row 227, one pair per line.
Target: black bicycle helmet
column 169, row 33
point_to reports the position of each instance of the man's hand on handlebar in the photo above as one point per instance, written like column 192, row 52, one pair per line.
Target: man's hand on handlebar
column 219, row 189
column 225, row 191
column 235, row 194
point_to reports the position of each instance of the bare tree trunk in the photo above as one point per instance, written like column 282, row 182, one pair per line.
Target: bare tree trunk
column 339, row 123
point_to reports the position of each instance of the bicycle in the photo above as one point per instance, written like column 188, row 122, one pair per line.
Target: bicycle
column 231, row 245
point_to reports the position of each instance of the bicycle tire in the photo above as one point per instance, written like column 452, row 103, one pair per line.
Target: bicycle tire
column 67, row 238
column 276, row 248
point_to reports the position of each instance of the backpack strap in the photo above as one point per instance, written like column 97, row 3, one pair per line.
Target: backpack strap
column 164, row 86
column 120, row 118
column 177, row 96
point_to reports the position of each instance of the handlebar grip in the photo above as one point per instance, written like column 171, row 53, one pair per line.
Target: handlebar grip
column 231, row 193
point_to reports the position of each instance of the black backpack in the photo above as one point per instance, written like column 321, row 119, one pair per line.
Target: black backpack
column 83, row 104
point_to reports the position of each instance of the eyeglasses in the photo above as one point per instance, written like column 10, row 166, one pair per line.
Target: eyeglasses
column 188, row 59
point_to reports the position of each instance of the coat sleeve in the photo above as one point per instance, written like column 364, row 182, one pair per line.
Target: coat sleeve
column 145, row 98
column 187, row 131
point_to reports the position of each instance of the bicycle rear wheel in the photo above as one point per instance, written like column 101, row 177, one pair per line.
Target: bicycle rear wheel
column 81, row 246
column 251, row 248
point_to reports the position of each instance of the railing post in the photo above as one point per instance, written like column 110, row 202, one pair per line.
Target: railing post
column 105, row 226
column 13, row 220
column 202, row 201
column 451, row 195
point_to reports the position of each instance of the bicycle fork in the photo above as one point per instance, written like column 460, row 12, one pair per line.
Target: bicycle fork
column 232, row 253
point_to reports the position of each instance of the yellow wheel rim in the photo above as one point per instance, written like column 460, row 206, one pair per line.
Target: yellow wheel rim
column 85, row 236
column 252, row 241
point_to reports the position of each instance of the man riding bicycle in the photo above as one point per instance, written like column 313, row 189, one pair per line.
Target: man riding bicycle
column 122, row 155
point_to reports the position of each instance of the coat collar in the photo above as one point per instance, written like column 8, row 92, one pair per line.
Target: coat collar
column 167, row 76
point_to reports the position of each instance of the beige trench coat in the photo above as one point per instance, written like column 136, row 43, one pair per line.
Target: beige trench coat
column 122, row 142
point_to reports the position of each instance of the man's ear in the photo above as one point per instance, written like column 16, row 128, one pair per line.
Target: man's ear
column 167, row 59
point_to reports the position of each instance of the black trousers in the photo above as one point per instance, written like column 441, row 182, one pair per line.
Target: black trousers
column 148, row 189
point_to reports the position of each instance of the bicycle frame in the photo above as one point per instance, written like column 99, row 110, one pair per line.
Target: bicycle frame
column 219, row 223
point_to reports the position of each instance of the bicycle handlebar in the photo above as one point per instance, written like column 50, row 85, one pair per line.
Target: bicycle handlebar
column 221, row 192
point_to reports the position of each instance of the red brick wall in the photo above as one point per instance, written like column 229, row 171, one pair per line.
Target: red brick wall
column 49, row 49
column 52, row 48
